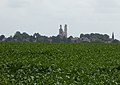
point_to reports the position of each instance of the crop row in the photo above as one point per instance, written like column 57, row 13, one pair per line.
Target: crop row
column 59, row 64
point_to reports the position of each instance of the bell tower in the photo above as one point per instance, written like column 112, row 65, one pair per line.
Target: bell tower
column 65, row 30
column 113, row 37
column 61, row 31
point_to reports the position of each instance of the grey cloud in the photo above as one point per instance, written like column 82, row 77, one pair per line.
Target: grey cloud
column 106, row 3
column 18, row 3
column 44, row 16
column 107, row 6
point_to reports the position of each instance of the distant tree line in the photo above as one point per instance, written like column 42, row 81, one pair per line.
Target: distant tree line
column 96, row 37
column 36, row 37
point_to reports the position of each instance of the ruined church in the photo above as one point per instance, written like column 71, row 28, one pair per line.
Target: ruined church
column 63, row 33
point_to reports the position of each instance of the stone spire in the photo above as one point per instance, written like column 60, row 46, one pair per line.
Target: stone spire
column 61, row 31
column 65, row 30
column 113, row 36
column 60, row 26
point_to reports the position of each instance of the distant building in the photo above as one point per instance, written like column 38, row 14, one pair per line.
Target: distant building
column 63, row 33
column 113, row 37
column 76, row 40
column 85, row 39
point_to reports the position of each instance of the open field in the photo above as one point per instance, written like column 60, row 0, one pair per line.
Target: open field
column 59, row 64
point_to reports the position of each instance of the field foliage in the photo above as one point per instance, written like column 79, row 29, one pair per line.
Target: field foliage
column 59, row 64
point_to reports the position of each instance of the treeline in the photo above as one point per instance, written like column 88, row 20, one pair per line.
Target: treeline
column 36, row 37
column 95, row 37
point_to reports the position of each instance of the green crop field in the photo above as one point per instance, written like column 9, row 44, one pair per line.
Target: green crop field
column 59, row 64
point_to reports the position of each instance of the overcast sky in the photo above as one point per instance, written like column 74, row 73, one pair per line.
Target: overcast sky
column 45, row 16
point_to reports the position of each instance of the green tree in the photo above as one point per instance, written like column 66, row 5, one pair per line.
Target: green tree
column 2, row 37
column 17, row 37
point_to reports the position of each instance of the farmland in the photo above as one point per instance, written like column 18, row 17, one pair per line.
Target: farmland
column 59, row 63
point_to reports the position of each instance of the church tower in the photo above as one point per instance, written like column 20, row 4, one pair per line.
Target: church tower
column 61, row 31
column 65, row 30
column 113, row 37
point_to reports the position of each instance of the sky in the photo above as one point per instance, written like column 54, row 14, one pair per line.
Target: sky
column 45, row 16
